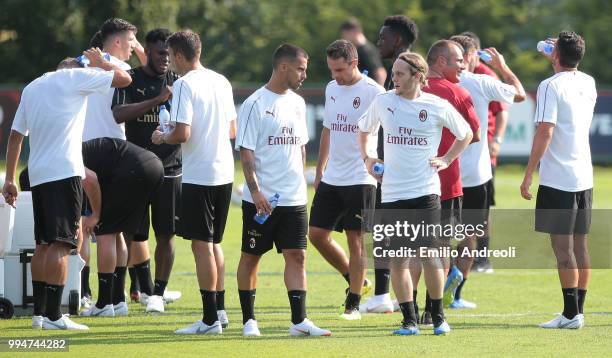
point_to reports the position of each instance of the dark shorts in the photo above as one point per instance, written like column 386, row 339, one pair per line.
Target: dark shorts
column 475, row 209
column 57, row 211
column 451, row 211
column 286, row 228
column 561, row 212
column 491, row 188
column 341, row 207
column 126, row 196
column 204, row 211
column 164, row 207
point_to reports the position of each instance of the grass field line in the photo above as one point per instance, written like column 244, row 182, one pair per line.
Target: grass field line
column 506, row 272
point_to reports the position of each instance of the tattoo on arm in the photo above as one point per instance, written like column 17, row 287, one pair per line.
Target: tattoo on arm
column 248, row 167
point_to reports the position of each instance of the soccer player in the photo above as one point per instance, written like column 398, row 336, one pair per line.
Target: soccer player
column 118, row 38
column 271, row 138
column 475, row 160
column 397, row 35
column 121, row 178
column 564, row 111
column 368, row 54
column 445, row 61
column 343, row 186
column 52, row 112
column 498, row 118
column 138, row 107
column 204, row 115
column 413, row 122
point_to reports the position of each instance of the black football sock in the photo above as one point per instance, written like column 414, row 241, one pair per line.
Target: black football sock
column 437, row 312
column 247, row 304
column 297, row 301
column 220, row 300
column 85, row 289
column 54, row 300
column 570, row 302
column 143, row 272
column 427, row 302
column 39, row 290
column 352, row 301
column 458, row 290
column 209, row 306
column 381, row 284
column 119, row 285
column 408, row 313
column 160, row 287
column 581, row 299
column 134, row 284
column 105, row 289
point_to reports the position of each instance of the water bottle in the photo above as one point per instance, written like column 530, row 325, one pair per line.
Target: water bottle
column 261, row 218
column 164, row 118
column 484, row 55
column 546, row 48
column 83, row 60
column 378, row 168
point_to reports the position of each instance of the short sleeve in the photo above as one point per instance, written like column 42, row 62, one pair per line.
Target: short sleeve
column 496, row 90
column 547, row 106
column 455, row 123
column 20, row 123
column 370, row 120
column 327, row 112
column 248, row 126
column 182, row 105
column 91, row 80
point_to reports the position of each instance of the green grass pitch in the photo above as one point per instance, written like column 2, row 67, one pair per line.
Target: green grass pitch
column 510, row 305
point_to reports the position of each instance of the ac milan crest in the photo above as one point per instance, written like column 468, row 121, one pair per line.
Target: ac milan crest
column 356, row 102
column 423, row 115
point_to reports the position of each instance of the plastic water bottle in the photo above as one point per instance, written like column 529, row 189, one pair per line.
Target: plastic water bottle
column 546, row 47
column 484, row 55
column 261, row 218
column 378, row 168
column 83, row 60
column 164, row 118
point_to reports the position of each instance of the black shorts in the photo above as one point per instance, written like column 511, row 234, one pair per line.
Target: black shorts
column 126, row 196
column 204, row 211
column 491, row 187
column 286, row 228
column 341, row 207
column 451, row 211
column 164, row 208
column 561, row 212
column 57, row 211
column 475, row 209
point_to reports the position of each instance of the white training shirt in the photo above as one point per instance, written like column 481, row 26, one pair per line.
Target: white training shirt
column 475, row 160
column 203, row 99
column 413, row 129
column 567, row 100
column 99, row 120
column 274, row 127
column 344, row 105
column 52, row 113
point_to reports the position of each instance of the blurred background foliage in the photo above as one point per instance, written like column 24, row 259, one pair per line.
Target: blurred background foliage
column 239, row 36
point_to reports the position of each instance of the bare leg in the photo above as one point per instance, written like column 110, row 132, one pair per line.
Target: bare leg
column 331, row 251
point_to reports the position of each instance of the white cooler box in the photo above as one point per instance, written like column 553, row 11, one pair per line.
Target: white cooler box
column 16, row 245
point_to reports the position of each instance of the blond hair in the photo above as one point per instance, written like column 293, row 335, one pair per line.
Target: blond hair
column 417, row 65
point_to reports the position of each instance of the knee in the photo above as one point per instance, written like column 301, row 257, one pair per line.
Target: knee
column 318, row 236
column 296, row 258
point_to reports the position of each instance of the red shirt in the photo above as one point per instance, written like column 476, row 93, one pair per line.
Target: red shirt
column 450, row 178
column 494, row 107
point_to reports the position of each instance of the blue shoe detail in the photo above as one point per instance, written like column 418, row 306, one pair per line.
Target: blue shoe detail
column 461, row 303
column 444, row 328
column 407, row 331
column 455, row 277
